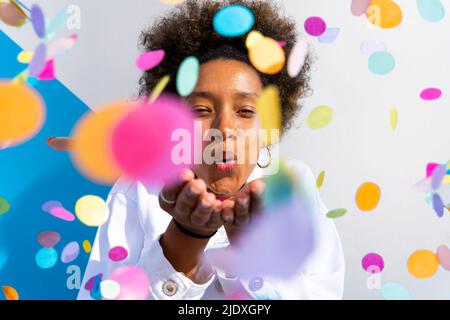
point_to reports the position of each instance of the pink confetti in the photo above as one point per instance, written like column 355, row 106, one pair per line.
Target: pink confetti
column 431, row 94
column 118, row 254
column 48, row 73
column 149, row 60
column 315, row 26
column 133, row 281
column 48, row 239
column 443, row 254
column 430, row 168
column 56, row 209
column 359, row 7
column 373, row 260
column 297, row 57
column 90, row 283
column 70, row 252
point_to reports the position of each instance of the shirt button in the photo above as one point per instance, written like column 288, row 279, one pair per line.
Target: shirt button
column 169, row 288
column 218, row 286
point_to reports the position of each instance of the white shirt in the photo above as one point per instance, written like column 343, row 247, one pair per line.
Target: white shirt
column 137, row 222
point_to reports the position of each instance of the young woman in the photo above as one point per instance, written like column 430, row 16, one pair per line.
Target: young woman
column 167, row 232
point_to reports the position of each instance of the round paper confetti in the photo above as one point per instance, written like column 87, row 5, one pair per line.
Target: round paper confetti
column 431, row 10
column 37, row 62
column 297, row 58
column 394, row 291
column 443, row 254
column 256, row 283
column 359, row 7
column 253, row 38
column 320, row 117
column 149, row 60
column 315, row 26
column 336, row 213
column 431, row 94
column 369, row 47
column 92, row 152
column 134, row 283
column 38, row 20
column 329, row 36
column 109, row 289
column 423, row 264
column 48, row 239
column 320, row 179
column 60, row 143
column 56, row 209
column 89, row 285
column 10, row 293
column 70, row 252
column 381, row 63
column 368, row 196
column 438, row 205
column 46, row 258
column 267, row 56
column 187, row 76
column 12, row 15
column 385, row 14
column 22, row 113
column 87, row 246
column 25, row 56
column 4, row 206
column 92, row 210
column 269, row 112
column 233, row 21
column 372, row 259
column 118, row 253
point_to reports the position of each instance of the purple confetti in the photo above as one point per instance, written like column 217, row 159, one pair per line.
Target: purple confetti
column 38, row 20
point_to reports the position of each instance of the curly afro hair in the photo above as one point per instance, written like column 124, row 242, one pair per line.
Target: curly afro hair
column 188, row 30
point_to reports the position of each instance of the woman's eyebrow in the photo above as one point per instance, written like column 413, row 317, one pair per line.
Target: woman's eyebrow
column 200, row 94
column 245, row 94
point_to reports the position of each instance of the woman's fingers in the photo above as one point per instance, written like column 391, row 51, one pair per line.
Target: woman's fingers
column 228, row 210
column 256, row 188
column 242, row 208
column 169, row 193
column 187, row 199
column 216, row 221
column 202, row 213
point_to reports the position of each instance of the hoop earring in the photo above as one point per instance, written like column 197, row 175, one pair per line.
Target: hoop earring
column 270, row 160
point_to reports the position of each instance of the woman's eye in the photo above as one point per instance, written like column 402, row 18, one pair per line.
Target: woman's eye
column 201, row 110
column 247, row 112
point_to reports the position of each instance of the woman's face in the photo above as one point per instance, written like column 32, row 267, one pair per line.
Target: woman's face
column 225, row 99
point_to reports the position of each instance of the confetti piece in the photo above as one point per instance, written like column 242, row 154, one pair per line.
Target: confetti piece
column 159, row 88
column 320, row 117
column 381, row 63
column 37, row 63
column 431, row 10
column 46, row 258
column 256, row 283
column 233, row 21
column 187, row 76
column 384, row 14
column 92, row 210
column 134, row 283
column 269, row 112
column 109, row 289
column 329, row 36
column 48, row 239
column 394, row 291
column 369, row 47
column 315, row 26
column 394, row 118
column 149, row 60
column 359, row 7
column 89, row 285
column 22, row 113
column 25, row 56
column 87, row 246
column 59, row 47
column 438, row 176
column 320, row 179
column 4, row 206
column 56, row 209
column 60, row 143
column 91, row 152
column 297, row 58
column 267, row 56
column 48, row 72
column 372, row 259
column 38, row 20
column 336, row 213
column 56, row 23
column 431, row 94
column 438, row 205
column 9, row 292
column 49, row 205
column 252, row 38
column 95, row 290
column 118, row 254
column 368, row 196
column 12, row 14
column 431, row 167
column 70, row 252
column 443, row 254
column 152, row 157
column 423, row 264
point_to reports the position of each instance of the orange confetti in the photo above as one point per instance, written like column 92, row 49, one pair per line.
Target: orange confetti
column 423, row 264
column 10, row 293
column 368, row 196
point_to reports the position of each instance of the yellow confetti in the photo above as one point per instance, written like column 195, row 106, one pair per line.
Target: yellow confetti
column 423, row 264
column 87, row 246
column 92, row 210
column 320, row 179
column 269, row 113
column 25, row 56
column 10, row 293
column 394, row 118
column 253, row 38
column 385, row 14
column 266, row 55
column 159, row 88
column 320, row 117
column 368, row 196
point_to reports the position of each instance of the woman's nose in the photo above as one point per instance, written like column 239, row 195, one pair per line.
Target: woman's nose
column 225, row 123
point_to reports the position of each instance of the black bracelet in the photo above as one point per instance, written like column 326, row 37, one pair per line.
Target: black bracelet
column 190, row 233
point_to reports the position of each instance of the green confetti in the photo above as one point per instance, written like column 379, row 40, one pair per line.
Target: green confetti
column 337, row 213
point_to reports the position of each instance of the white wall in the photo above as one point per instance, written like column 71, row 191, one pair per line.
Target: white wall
column 357, row 146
